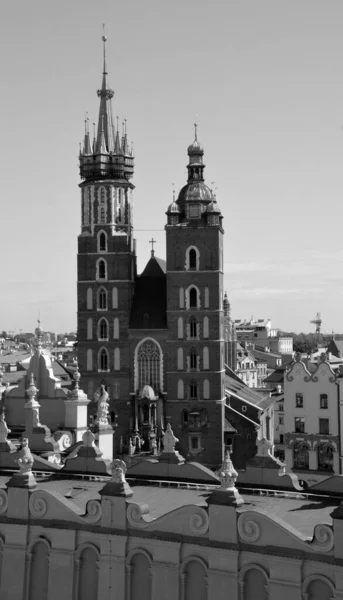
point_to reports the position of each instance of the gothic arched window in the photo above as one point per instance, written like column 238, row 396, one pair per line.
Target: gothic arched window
column 149, row 365
column 181, row 298
column 193, row 390
column 205, row 359
column 89, row 359
column 103, row 360
column 89, row 299
column 192, row 259
column 193, row 298
column 102, row 242
column 193, row 359
column 102, row 299
column 102, row 269
column 115, row 328
column 114, row 297
column 89, row 329
column 180, row 328
column 206, row 327
column 206, row 389
column 103, row 330
column 193, row 328
column 117, row 359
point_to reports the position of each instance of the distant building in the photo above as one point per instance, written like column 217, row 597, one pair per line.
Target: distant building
column 246, row 368
column 335, row 346
column 260, row 332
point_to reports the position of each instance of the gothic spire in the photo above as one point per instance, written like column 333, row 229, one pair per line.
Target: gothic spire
column 105, row 122
column 108, row 155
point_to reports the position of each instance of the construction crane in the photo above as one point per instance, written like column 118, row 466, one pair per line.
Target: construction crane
column 317, row 322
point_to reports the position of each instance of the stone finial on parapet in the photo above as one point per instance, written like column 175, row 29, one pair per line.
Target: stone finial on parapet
column 118, row 485
column 264, row 447
column 169, row 453
column 227, row 493
column 5, row 444
column 24, row 478
column 32, row 404
column 103, row 409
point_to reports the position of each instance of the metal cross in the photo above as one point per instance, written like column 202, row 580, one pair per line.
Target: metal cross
column 152, row 242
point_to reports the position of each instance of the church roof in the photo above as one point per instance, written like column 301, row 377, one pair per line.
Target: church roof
column 155, row 267
column 149, row 304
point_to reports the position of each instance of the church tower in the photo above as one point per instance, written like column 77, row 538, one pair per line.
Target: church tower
column 195, row 316
column 106, row 255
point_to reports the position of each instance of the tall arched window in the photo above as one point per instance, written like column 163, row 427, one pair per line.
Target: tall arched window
column 149, row 365
column 193, row 390
column 193, row 297
column 102, row 241
column 194, row 579
column 89, row 359
column 206, row 389
column 193, row 359
column 318, row 588
column 192, row 258
column 180, row 389
column 207, row 297
column 205, row 359
column 114, row 297
column 115, row 328
column 325, row 457
column 206, row 327
column 181, row 298
column 140, row 579
column 102, row 299
column 180, row 359
column 103, row 360
column 88, row 574
column 117, row 359
column 89, row 299
column 102, row 269
column 39, row 572
column 103, row 330
column 180, row 328
column 193, row 330
column 89, row 329
column 300, row 456
column 255, row 584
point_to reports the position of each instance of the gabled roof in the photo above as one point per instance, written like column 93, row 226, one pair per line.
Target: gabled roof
column 149, row 305
column 155, row 267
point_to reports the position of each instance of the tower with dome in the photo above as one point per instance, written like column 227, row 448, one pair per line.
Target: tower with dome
column 155, row 341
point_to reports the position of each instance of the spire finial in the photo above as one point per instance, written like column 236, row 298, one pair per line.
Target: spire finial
column 104, row 39
column 195, row 131
column 173, row 184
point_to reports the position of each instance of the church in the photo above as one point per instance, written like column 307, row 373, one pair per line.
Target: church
column 160, row 341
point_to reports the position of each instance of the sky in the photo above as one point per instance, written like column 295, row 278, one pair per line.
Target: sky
column 264, row 81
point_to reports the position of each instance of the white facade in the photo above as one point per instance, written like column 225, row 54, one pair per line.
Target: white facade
column 311, row 420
